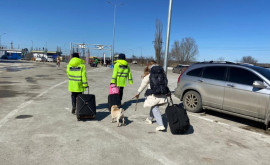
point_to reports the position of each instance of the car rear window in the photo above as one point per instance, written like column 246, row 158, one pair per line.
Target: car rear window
column 215, row 72
column 195, row 72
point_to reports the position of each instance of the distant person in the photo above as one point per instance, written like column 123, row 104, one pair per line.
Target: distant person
column 121, row 72
column 43, row 59
column 58, row 61
column 156, row 93
column 96, row 62
column 77, row 78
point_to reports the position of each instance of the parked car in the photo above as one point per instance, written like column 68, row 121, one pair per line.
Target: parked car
column 50, row 59
column 179, row 68
column 134, row 62
column 41, row 59
column 238, row 89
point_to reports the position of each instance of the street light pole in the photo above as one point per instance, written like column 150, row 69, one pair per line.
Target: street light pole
column 32, row 44
column 114, row 12
column 113, row 31
column 0, row 39
column 168, row 37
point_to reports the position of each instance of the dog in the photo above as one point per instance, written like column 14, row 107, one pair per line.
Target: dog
column 117, row 113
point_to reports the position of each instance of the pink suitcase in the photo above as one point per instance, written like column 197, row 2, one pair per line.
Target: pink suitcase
column 113, row 89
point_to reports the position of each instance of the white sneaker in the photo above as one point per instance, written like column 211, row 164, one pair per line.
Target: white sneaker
column 148, row 121
column 160, row 128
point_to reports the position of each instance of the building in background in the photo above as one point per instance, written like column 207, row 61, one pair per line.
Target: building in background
column 11, row 54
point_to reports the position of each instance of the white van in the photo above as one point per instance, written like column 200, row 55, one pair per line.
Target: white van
column 50, row 59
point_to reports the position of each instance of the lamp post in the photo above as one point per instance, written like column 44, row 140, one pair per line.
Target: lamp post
column 32, row 45
column 114, row 11
column 168, row 36
column 0, row 39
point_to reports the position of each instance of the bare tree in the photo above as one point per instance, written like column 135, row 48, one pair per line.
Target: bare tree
column 189, row 49
column 186, row 51
column 158, row 41
column 175, row 52
column 248, row 59
column 141, row 60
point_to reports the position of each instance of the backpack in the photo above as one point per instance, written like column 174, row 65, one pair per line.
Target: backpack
column 158, row 81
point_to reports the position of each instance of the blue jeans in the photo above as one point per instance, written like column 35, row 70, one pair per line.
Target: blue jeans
column 155, row 113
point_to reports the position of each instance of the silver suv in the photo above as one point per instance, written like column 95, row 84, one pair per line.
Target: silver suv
column 238, row 89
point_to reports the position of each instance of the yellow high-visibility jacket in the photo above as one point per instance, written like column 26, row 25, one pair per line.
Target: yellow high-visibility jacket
column 76, row 75
column 121, row 72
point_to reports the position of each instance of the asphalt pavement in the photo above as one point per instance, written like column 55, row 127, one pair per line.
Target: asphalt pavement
column 37, row 127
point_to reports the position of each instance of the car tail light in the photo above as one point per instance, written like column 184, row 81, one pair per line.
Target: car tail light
column 183, row 71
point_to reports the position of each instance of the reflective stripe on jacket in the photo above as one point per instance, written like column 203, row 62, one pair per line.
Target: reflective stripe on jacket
column 121, row 72
column 76, row 75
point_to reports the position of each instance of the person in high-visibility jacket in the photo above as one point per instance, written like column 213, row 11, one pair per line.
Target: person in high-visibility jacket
column 77, row 78
column 121, row 73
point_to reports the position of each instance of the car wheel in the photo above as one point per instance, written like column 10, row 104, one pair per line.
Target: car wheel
column 192, row 101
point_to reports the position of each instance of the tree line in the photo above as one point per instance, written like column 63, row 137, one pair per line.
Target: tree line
column 184, row 51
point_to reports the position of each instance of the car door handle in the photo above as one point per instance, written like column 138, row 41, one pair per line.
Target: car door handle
column 230, row 85
column 200, row 80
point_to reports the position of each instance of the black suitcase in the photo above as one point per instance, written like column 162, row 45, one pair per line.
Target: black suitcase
column 93, row 65
column 177, row 118
column 113, row 100
column 86, row 106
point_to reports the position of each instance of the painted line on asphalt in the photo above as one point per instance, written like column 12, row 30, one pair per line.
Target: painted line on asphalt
column 264, row 138
column 21, row 107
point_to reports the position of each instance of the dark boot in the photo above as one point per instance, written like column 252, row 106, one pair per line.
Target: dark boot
column 73, row 110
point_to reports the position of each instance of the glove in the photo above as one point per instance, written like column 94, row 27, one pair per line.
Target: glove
column 137, row 96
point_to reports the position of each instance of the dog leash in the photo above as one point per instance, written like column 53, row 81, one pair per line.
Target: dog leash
column 127, row 101
column 136, row 104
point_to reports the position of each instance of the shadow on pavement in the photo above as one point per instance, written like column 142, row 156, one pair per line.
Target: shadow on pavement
column 102, row 106
column 102, row 115
column 127, row 121
column 248, row 124
column 127, row 104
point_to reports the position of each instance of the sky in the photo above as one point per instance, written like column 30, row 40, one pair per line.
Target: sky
column 228, row 29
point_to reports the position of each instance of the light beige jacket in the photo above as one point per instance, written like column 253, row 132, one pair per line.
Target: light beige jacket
column 151, row 100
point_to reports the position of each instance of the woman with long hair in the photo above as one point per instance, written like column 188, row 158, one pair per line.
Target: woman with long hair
column 153, row 101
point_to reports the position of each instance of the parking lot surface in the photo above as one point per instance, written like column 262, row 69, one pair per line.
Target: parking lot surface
column 37, row 127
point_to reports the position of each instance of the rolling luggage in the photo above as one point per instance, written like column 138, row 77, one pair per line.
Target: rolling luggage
column 177, row 118
column 93, row 65
column 113, row 100
column 86, row 106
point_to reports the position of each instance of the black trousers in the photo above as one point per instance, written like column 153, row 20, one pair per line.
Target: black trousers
column 74, row 96
column 121, row 90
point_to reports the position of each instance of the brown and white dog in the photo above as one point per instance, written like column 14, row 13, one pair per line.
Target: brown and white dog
column 117, row 113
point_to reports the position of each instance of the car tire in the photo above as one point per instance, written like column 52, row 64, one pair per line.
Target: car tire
column 192, row 101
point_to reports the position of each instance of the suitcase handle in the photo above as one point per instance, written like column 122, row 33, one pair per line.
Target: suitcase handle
column 84, row 88
column 170, row 100
column 170, row 94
